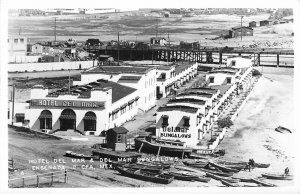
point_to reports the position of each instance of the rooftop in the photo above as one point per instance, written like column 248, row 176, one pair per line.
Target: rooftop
column 180, row 67
column 118, row 91
column 129, row 78
column 187, row 100
column 195, row 93
column 119, row 69
column 222, row 88
column 119, row 130
column 177, row 108
column 203, row 89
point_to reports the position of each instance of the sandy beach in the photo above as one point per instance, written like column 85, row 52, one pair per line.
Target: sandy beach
column 253, row 135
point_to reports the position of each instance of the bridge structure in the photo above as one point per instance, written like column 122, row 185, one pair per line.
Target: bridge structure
column 261, row 56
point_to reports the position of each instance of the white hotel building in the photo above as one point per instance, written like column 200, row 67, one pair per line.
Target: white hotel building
column 89, row 108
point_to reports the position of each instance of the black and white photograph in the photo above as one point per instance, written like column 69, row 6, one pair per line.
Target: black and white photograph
column 189, row 96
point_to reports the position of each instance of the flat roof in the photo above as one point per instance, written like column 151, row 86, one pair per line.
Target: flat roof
column 177, row 108
column 119, row 69
column 118, row 91
column 222, row 88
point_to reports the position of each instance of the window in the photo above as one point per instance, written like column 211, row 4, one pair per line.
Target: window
column 7, row 40
column 163, row 76
column 119, row 138
column 232, row 63
column 16, row 41
column 165, row 121
column 229, row 80
column 20, row 117
column 211, row 80
column 186, row 122
column 22, row 40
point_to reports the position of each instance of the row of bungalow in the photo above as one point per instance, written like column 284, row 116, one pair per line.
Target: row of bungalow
column 190, row 114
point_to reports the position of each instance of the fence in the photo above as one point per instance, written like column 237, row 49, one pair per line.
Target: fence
column 46, row 179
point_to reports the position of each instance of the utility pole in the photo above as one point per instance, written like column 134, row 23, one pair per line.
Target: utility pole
column 156, row 28
column 242, row 28
column 118, row 47
column 13, row 105
column 55, row 29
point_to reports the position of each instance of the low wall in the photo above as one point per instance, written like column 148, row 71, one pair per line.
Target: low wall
column 22, row 67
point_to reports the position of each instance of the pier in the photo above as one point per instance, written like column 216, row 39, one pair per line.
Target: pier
column 217, row 55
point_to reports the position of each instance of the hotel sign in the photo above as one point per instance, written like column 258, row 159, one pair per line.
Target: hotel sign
column 176, row 132
column 67, row 103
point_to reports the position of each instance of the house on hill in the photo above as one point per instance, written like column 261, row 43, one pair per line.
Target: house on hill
column 238, row 31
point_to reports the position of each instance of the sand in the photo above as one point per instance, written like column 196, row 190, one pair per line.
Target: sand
column 253, row 134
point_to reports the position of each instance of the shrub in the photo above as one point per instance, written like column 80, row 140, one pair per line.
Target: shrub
column 255, row 72
column 225, row 122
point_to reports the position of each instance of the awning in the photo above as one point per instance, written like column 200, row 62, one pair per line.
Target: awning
column 89, row 118
column 67, row 117
column 123, row 106
column 116, row 110
column 131, row 101
column 20, row 115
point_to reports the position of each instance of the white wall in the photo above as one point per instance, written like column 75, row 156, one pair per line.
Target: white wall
column 219, row 78
column 240, row 62
column 21, row 67
column 175, row 120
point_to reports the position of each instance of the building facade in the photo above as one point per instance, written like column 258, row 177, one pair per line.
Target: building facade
column 142, row 78
column 190, row 114
column 17, row 46
column 88, row 109
column 238, row 31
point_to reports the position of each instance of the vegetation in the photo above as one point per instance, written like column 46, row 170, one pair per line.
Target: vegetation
column 282, row 12
column 225, row 122
column 255, row 73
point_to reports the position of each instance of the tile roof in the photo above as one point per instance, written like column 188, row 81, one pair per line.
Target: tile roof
column 180, row 67
column 186, row 100
column 200, row 94
column 130, row 78
column 177, row 108
column 222, row 88
column 119, row 69
column 203, row 89
column 118, row 91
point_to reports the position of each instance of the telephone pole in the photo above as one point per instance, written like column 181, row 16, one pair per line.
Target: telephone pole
column 242, row 28
column 55, row 29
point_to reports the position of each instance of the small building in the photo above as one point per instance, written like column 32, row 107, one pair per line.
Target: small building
column 264, row 23
column 237, row 31
column 41, row 49
column 93, row 42
column 252, row 24
column 17, row 46
column 116, row 138
column 158, row 41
